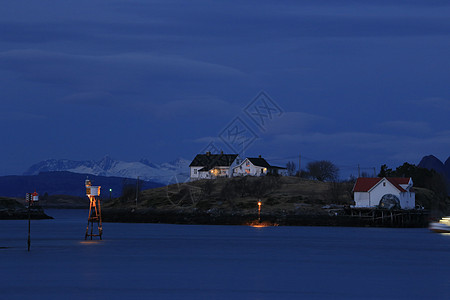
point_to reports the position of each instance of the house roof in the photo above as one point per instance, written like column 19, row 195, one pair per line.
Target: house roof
column 210, row 161
column 396, row 181
column 259, row 161
column 366, row 184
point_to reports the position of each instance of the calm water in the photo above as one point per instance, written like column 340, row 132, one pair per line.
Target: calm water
column 156, row 261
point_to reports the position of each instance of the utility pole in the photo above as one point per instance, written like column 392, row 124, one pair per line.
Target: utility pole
column 359, row 171
column 374, row 172
column 137, row 190
column 29, row 199
column 299, row 165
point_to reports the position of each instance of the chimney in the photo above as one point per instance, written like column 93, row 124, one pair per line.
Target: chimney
column 221, row 152
column 260, row 156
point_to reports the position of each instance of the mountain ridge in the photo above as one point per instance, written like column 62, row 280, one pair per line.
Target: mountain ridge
column 163, row 173
column 431, row 162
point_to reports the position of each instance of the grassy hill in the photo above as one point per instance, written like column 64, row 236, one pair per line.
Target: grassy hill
column 285, row 201
column 242, row 194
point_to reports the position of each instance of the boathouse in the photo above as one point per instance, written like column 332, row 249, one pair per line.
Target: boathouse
column 375, row 192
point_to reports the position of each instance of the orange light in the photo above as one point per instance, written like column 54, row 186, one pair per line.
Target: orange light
column 259, row 226
column 259, row 203
column 91, row 242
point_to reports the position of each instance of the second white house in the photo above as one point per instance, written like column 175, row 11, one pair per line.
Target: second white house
column 369, row 192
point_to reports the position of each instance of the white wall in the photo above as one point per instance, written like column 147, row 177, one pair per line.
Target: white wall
column 204, row 175
column 222, row 172
column 362, row 199
column 408, row 200
column 383, row 187
column 194, row 174
column 233, row 165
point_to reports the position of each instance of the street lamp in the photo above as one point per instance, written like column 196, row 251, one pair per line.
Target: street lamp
column 259, row 211
column 110, row 190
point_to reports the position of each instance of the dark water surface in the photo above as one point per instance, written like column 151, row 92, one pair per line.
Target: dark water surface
column 158, row 261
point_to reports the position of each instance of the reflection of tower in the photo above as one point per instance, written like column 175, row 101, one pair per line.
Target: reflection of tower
column 95, row 213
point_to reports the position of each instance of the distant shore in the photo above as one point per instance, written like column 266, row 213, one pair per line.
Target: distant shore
column 11, row 209
column 410, row 220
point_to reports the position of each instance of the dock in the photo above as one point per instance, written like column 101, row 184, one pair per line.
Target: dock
column 389, row 218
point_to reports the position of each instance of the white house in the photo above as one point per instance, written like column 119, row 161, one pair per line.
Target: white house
column 209, row 166
column 368, row 192
column 256, row 166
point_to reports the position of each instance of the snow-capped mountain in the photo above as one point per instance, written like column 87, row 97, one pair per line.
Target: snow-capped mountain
column 165, row 173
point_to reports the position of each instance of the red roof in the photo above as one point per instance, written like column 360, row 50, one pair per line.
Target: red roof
column 366, row 184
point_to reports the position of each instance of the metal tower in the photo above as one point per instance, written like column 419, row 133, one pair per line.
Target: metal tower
column 95, row 213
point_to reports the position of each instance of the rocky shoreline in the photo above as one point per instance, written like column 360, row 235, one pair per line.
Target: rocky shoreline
column 11, row 209
column 23, row 215
column 419, row 220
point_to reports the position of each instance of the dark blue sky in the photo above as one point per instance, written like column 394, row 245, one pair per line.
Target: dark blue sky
column 356, row 81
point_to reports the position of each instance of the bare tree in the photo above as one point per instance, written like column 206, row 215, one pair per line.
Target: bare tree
column 365, row 175
column 323, row 170
column 290, row 166
column 130, row 189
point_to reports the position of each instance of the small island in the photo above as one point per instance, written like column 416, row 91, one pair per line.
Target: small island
column 12, row 209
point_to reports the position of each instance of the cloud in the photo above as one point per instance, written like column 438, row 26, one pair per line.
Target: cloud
column 366, row 146
column 295, row 122
column 197, row 109
column 146, row 24
column 208, row 139
column 435, row 102
column 120, row 71
column 406, row 127
column 94, row 97
column 20, row 116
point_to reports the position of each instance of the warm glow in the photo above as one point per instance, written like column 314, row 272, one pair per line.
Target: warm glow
column 91, row 242
column 259, row 203
column 257, row 224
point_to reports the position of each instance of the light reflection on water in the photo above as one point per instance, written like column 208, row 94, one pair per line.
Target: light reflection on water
column 91, row 242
